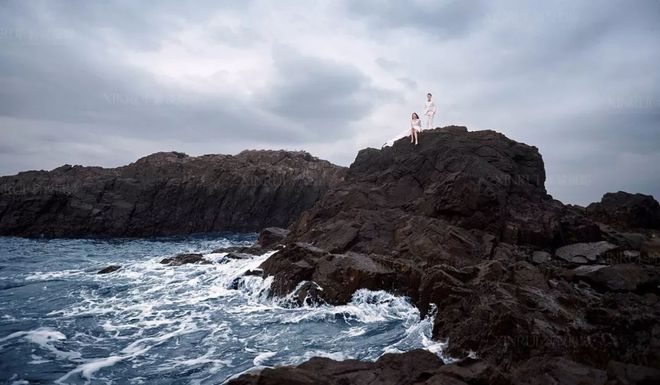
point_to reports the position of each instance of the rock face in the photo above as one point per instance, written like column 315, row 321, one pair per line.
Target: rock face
column 463, row 221
column 164, row 194
column 623, row 210
column 414, row 367
column 472, row 183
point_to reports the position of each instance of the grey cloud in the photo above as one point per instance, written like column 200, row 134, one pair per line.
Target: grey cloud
column 321, row 95
column 445, row 19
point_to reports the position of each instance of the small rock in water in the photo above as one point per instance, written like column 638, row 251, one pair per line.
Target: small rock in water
column 254, row 273
column 109, row 269
column 183, row 259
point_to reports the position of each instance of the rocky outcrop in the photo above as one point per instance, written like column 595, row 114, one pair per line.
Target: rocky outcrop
column 463, row 221
column 164, row 194
column 414, row 367
column 424, row 368
column 185, row 259
column 625, row 211
column 109, row 269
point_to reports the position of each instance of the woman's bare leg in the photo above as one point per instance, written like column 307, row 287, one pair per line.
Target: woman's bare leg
column 412, row 134
column 415, row 136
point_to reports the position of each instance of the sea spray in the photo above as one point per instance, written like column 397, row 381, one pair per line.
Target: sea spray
column 153, row 323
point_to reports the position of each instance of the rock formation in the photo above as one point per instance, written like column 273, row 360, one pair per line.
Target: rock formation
column 463, row 221
column 626, row 211
column 166, row 193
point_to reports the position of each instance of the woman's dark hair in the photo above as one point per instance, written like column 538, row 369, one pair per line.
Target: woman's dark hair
column 415, row 116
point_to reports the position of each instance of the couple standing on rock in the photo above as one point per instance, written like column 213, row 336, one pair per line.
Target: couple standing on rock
column 416, row 122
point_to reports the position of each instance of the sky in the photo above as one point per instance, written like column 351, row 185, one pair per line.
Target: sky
column 106, row 82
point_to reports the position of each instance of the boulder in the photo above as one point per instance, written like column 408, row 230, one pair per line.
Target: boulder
column 272, row 236
column 184, row 259
column 109, row 269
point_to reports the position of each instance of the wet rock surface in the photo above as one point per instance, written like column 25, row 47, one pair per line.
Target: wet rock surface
column 537, row 289
column 166, row 193
column 109, row 269
column 184, row 259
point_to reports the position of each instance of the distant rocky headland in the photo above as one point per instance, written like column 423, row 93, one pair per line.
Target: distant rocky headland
column 524, row 289
column 166, row 193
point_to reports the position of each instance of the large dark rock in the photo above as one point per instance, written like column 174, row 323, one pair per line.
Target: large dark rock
column 164, row 194
column 185, row 259
column 272, row 236
column 414, row 367
column 109, row 269
column 625, row 211
column 463, row 221
column 479, row 181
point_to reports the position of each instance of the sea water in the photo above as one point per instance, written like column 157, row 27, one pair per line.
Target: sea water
column 150, row 323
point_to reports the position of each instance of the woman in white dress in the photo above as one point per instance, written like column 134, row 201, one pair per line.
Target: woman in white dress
column 415, row 127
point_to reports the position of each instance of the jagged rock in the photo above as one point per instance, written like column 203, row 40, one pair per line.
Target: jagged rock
column 584, row 252
column 183, row 259
column 272, row 236
column 626, row 211
column 109, row 269
column 166, row 193
column 340, row 275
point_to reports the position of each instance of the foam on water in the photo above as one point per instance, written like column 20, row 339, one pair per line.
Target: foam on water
column 153, row 323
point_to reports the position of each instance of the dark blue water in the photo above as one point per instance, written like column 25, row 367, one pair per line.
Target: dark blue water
column 148, row 323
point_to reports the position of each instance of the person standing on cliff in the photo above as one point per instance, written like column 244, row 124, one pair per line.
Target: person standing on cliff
column 415, row 127
column 429, row 111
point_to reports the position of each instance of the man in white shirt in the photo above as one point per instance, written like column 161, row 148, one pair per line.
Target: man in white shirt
column 429, row 111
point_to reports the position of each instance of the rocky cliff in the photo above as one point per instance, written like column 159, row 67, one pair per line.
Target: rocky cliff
column 166, row 193
column 541, row 292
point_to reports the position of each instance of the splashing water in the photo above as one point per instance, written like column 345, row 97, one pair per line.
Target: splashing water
column 149, row 323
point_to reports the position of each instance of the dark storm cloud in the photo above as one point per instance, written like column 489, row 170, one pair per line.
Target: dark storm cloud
column 51, row 78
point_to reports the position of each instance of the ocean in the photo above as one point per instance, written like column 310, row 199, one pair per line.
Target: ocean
column 150, row 323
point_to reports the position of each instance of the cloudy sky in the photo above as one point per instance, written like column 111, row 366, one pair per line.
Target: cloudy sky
column 106, row 82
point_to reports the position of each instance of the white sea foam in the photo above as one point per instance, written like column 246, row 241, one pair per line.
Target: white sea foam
column 161, row 304
column 260, row 359
column 45, row 338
